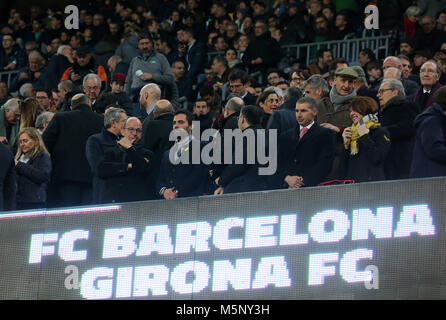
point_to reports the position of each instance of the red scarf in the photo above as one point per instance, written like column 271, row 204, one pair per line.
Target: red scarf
column 409, row 27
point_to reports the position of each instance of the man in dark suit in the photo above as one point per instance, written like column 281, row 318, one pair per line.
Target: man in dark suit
column 396, row 114
column 195, row 55
column 429, row 76
column 306, row 152
column 156, row 138
column 238, row 82
column 8, row 187
column 65, row 138
column 244, row 177
column 179, row 175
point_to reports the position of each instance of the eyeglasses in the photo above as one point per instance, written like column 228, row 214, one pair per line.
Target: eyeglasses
column 381, row 91
column 431, row 71
column 133, row 130
column 92, row 88
column 236, row 86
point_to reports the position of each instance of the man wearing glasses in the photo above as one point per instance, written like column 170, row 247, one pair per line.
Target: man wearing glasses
column 118, row 159
column 238, row 83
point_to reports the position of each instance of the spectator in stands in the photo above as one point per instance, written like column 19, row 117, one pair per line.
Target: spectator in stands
column 85, row 64
column 30, row 73
column 374, row 74
column 30, row 110
column 8, row 180
column 54, row 30
column 11, row 57
column 33, row 167
column 98, row 145
column 156, row 138
column 66, row 90
column 128, row 49
column 178, row 179
column 269, row 103
column 429, row 153
column 322, row 29
column 27, row 91
column 366, row 56
column 298, row 78
column 293, row 24
column 243, row 177
column 149, row 95
column 65, row 138
column 324, row 58
column 219, row 44
column 284, row 118
column 91, row 86
column 148, row 67
column 4, row 93
column 221, row 69
column 43, row 98
column 407, row 69
column 411, row 27
column 238, row 83
column 410, row 87
column 201, row 114
column 429, row 76
column 342, row 27
column 116, row 65
column 183, row 83
column 57, row 66
column 441, row 20
column 407, row 46
column 366, row 143
column 310, row 159
column 360, row 84
column 420, row 57
column 104, row 101
column 166, row 47
column 231, row 58
column 193, row 56
column 397, row 115
column 430, row 38
column 125, row 166
column 335, row 114
column 263, row 52
column 273, row 76
column 10, row 114
column 42, row 121
column 117, row 85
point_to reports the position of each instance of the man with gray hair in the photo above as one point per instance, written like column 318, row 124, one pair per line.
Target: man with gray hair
column 27, row 91
column 231, row 112
column 42, row 121
column 91, row 85
column 65, row 138
column 10, row 121
column 429, row 77
column 410, row 87
column 98, row 145
column 397, row 114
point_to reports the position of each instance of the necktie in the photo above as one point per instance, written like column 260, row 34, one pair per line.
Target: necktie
column 302, row 132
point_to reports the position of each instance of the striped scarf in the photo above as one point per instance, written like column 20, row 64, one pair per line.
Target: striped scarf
column 371, row 122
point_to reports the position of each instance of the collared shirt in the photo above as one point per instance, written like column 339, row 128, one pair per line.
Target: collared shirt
column 426, row 91
column 151, row 109
column 308, row 127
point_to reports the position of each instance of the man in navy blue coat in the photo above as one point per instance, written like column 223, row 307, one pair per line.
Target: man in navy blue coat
column 306, row 151
column 244, row 177
column 179, row 176
column 429, row 155
column 8, row 186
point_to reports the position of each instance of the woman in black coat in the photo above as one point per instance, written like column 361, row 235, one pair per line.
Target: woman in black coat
column 33, row 167
column 366, row 143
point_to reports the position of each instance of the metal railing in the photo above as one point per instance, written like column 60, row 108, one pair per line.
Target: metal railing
column 348, row 48
column 7, row 76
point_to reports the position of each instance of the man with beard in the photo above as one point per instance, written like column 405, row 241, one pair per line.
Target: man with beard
column 201, row 113
column 179, row 177
column 148, row 67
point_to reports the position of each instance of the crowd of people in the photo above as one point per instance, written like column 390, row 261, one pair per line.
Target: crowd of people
column 87, row 116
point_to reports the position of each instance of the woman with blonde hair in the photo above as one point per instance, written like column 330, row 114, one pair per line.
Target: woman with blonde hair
column 29, row 110
column 33, row 168
column 366, row 143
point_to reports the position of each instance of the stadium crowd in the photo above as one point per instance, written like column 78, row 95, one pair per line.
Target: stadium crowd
column 87, row 114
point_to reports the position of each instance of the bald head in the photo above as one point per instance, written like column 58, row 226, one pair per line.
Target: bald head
column 78, row 99
column 132, row 130
column 149, row 95
column 393, row 62
column 392, row 73
column 233, row 105
column 162, row 107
